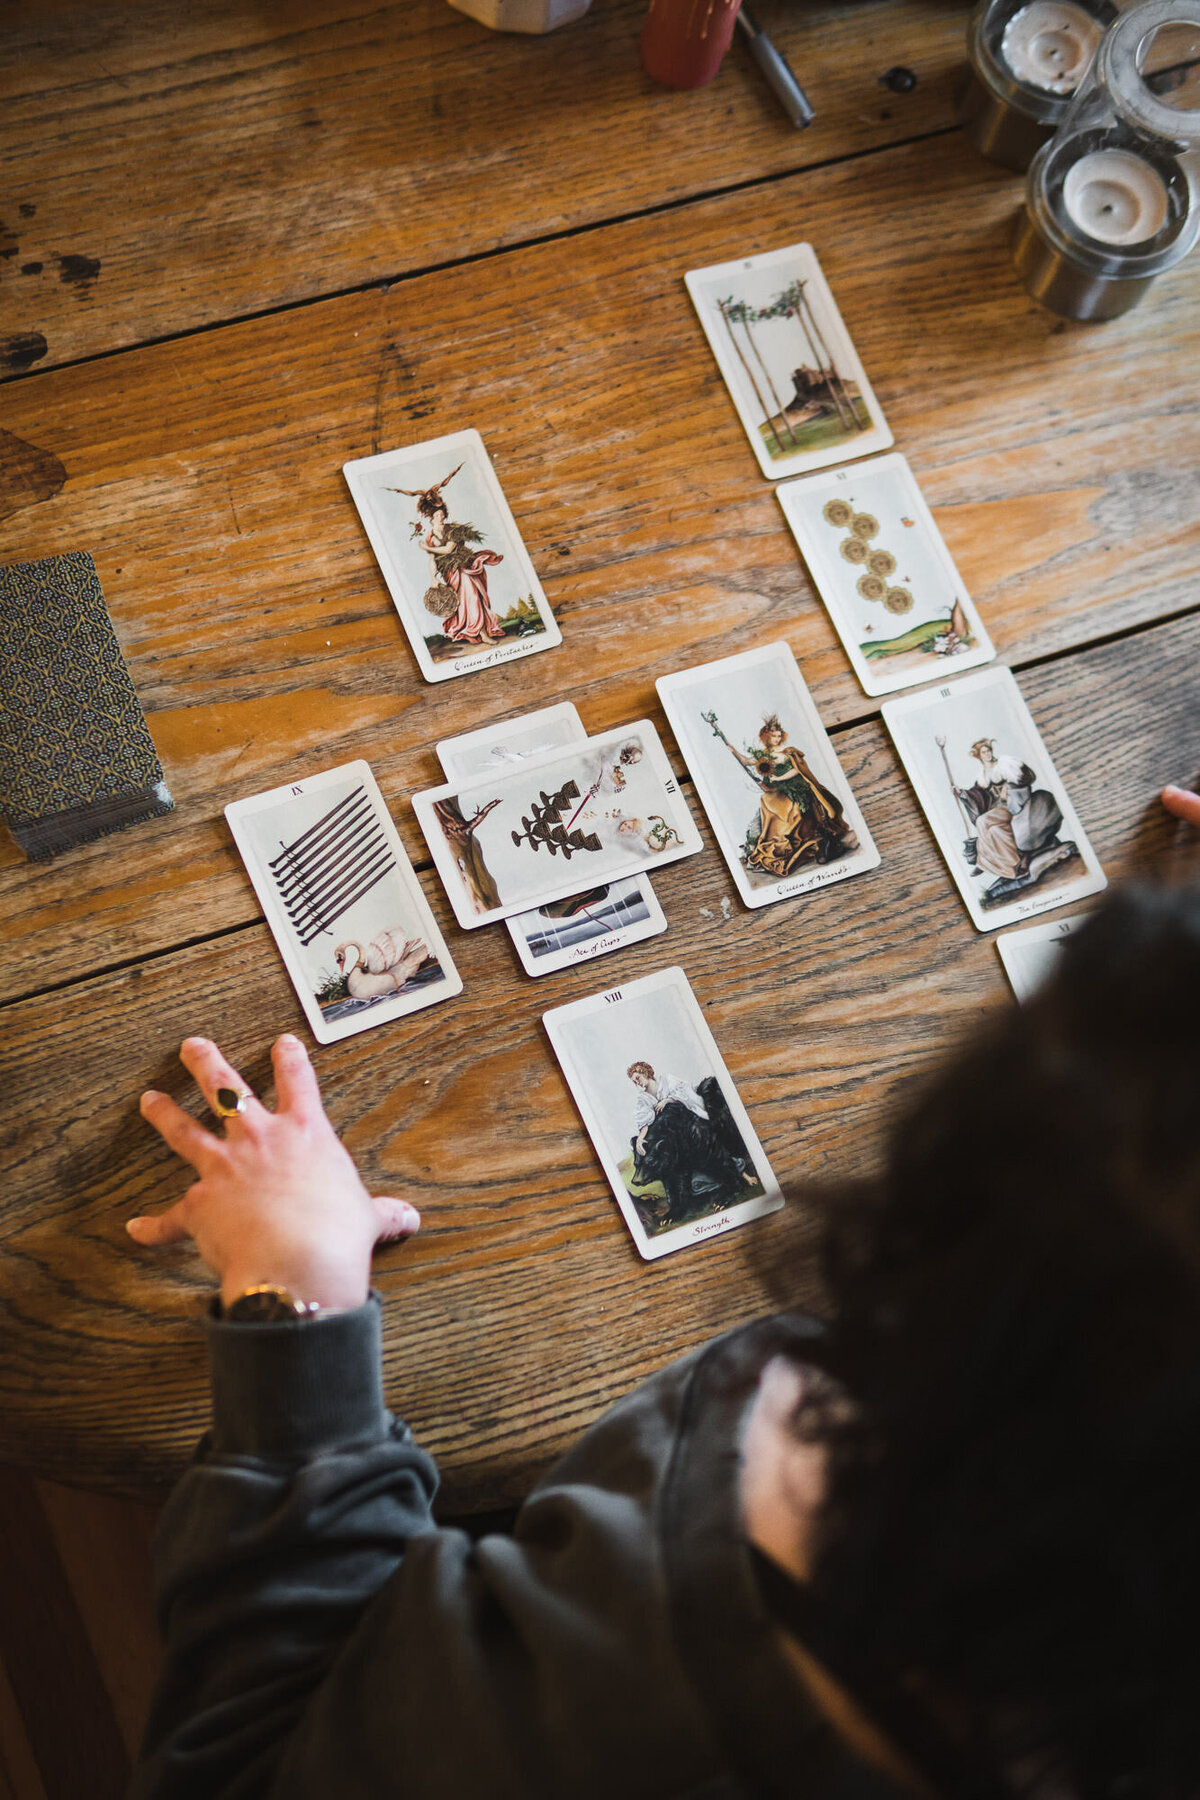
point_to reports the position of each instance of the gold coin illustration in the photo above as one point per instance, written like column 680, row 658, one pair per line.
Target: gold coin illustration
column 838, row 513
column 881, row 562
column 863, row 526
column 853, row 549
column 872, row 587
column 898, row 600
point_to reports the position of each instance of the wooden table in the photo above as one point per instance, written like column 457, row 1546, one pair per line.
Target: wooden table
column 241, row 245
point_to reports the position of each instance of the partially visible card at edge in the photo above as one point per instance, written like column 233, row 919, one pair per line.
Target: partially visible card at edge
column 1031, row 954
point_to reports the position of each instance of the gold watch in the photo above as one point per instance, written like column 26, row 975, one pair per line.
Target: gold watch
column 268, row 1304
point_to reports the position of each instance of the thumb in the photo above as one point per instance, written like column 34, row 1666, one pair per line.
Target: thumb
column 162, row 1228
column 393, row 1218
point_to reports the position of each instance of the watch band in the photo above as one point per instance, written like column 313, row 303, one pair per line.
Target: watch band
column 268, row 1304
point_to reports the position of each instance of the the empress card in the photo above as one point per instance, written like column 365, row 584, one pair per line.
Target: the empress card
column 882, row 568
column 792, row 372
column 585, row 925
column 561, row 822
column 662, row 1112
column 347, row 912
column 1001, row 816
column 766, row 774
column 451, row 554
column 1030, row 956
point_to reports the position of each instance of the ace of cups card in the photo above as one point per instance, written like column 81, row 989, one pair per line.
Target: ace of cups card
column 1010, row 836
column 450, row 552
column 779, row 805
column 663, row 1114
column 347, row 912
column 792, row 372
column 882, row 568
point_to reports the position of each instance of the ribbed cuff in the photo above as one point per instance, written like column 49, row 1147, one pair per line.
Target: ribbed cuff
column 287, row 1391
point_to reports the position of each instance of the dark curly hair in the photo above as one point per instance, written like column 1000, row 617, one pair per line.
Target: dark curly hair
column 1012, row 1525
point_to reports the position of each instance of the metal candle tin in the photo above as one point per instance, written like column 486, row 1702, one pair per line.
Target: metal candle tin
column 1027, row 58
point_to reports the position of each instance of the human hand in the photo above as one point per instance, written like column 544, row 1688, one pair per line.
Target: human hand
column 279, row 1200
column 1183, row 803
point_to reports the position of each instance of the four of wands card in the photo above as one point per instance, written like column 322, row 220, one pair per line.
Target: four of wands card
column 787, row 359
column 353, row 927
column 452, row 556
column 569, row 818
column 584, row 925
column 780, row 807
column 663, row 1114
column 997, row 808
column 880, row 565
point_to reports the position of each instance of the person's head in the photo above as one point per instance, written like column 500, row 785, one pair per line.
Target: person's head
column 431, row 506
column 1013, row 1512
column 984, row 751
column 771, row 733
column 641, row 1075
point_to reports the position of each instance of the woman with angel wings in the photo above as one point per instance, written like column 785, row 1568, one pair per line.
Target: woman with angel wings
column 459, row 570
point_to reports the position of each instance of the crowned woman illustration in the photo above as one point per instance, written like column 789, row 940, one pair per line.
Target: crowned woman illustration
column 799, row 820
column 458, row 594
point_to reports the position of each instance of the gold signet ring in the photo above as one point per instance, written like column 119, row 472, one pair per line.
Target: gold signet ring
column 229, row 1102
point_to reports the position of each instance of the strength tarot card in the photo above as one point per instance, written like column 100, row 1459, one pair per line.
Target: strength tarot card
column 882, row 568
column 662, row 1112
column 587, row 814
column 788, row 362
column 1030, row 956
column 767, row 776
column 347, row 912
column 585, row 925
column 451, row 555
column 1001, row 817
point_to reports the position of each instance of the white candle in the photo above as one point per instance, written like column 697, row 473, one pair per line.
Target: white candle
column 1049, row 44
column 1115, row 197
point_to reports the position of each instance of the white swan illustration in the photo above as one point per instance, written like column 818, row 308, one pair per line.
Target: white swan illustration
column 382, row 967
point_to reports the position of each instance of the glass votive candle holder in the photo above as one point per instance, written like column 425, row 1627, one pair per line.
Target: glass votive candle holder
column 1027, row 58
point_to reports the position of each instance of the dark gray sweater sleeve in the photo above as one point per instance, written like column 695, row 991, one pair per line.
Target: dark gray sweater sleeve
column 299, row 1506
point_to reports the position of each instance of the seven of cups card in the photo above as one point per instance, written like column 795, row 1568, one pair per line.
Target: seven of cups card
column 883, row 570
column 1030, row 956
column 997, row 808
column 662, row 1112
column 584, row 925
column 791, row 370
column 451, row 555
column 563, row 821
column 347, row 912
column 779, row 805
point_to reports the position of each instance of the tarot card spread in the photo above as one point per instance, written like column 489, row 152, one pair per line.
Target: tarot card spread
column 791, row 370
column 582, row 926
column 582, row 815
column 1031, row 956
column 766, row 773
column 887, row 579
column 353, row 927
column 451, row 555
column 662, row 1112
column 997, row 808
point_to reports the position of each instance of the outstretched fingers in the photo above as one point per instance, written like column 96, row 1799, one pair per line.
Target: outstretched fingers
column 211, row 1070
column 185, row 1135
column 295, row 1078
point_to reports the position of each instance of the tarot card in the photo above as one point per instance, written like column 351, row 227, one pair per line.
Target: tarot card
column 587, row 814
column 593, row 923
column 662, row 1112
column 788, row 362
column 347, row 912
column 451, row 555
column 882, row 568
column 1031, row 956
column 779, row 805
column 999, row 812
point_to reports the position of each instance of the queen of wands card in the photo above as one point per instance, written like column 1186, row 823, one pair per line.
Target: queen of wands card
column 452, row 557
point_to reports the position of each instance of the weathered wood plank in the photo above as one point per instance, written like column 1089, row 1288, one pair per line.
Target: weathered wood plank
column 205, row 476
column 522, row 1309
column 162, row 171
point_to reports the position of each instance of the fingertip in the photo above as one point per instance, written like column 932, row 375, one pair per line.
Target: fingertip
column 148, row 1099
column 134, row 1228
column 289, row 1045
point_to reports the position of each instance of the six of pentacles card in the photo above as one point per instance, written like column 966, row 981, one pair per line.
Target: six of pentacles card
column 780, row 807
column 1031, row 955
column 883, row 570
column 585, row 925
column 576, row 816
column 662, row 1112
column 791, row 370
column 451, row 555
column 353, row 927
column 996, row 806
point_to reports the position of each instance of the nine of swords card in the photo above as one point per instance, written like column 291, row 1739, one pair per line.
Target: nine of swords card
column 888, row 581
column 452, row 557
column 1030, row 956
column 791, row 370
column 779, row 805
column 662, row 1112
column 353, row 927
column 585, row 925
column 997, row 808
column 565, row 820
